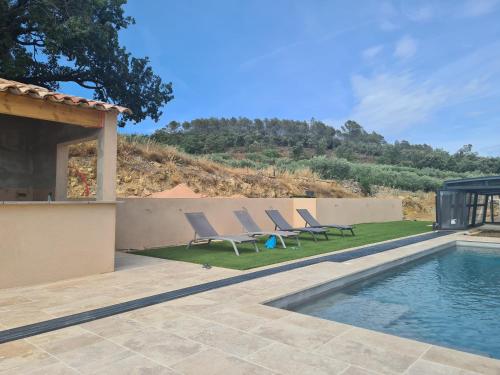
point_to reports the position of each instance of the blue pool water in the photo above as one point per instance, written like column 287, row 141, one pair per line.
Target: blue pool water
column 450, row 299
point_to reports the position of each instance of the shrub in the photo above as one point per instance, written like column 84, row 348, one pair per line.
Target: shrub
column 331, row 168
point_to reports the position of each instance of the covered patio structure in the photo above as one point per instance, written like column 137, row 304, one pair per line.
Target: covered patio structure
column 468, row 202
column 45, row 235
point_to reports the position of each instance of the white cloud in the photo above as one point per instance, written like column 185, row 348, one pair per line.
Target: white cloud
column 405, row 48
column 371, row 52
column 392, row 17
column 475, row 8
column 394, row 101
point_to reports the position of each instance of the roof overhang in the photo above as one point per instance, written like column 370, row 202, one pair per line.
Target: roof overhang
column 480, row 185
column 42, row 110
column 23, row 100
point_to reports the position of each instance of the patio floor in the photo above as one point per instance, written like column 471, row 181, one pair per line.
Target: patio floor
column 135, row 277
column 224, row 331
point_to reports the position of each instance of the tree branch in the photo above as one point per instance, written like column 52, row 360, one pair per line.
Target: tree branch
column 36, row 43
column 87, row 86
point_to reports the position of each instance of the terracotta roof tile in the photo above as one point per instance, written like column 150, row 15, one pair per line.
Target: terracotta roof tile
column 37, row 92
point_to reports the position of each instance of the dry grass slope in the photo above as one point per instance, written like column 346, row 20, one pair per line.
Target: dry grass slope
column 145, row 168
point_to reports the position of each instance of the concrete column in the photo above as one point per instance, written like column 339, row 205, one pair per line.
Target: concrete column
column 106, row 159
column 61, row 193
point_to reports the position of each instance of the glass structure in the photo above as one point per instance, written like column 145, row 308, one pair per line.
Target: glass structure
column 468, row 202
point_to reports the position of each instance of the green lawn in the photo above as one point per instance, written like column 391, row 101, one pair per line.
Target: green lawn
column 222, row 255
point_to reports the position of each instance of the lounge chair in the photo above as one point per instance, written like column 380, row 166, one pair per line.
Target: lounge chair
column 253, row 230
column 281, row 224
column 204, row 232
column 311, row 222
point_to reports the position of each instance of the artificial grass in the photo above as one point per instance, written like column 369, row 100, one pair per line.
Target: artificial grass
column 221, row 254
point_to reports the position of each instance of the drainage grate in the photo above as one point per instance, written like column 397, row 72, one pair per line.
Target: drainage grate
column 103, row 312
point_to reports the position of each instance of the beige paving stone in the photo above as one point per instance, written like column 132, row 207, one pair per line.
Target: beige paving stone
column 201, row 310
column 390, row 342
column 292, row 334
column 81, row 305
column 231, row 340
column 285, row 287
column 135, row 365
column 58, row 368
column 248, row 369
column 237, row 319
column 59, row 335
column 193, row 305
column 159, row 346
column 137, row 277
column 355, row 370
column 286, row 359
column 19, row 356
column 427, row 367
column 268, row 285
column 65, row 340
column 370, row 357
column 311, row 322
column 227, row 327
column 226, row 294
column 37, row 305
column 140, row 291
column 142, row 288
column 128, row 261
column 113, row 326
column 90, row 358
column 11, row 319
column 267, row 312
column 13, row 300
column 186, row 326
column 463, row 360
column 214, row 362
column 152, row 316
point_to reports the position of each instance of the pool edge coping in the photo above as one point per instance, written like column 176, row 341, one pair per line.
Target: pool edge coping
column 352, row 278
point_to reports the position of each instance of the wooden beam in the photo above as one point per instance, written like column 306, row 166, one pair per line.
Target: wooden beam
column 40, row 109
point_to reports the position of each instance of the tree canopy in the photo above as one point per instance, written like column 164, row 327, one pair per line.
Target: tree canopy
column 47, row 42
column 306, row 139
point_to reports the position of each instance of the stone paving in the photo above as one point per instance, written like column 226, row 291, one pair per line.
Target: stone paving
column 223, row 331
column 135, row 277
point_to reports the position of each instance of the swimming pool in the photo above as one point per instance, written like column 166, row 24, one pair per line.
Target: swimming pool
column 451, row 298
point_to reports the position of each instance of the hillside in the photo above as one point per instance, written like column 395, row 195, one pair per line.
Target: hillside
column 147, row 167
column 346, row 153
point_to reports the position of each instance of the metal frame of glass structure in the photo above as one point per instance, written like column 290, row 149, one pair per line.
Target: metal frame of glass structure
column 469, row 202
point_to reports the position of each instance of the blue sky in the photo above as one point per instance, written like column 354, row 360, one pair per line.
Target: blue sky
column 424, row 71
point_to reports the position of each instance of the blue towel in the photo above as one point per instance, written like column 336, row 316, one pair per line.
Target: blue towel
column 271, row 242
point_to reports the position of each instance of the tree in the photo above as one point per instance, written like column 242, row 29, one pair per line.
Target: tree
column 174, row 126
column 48, row 42
column 352, row 131
column 465, row 150
column 297, row 151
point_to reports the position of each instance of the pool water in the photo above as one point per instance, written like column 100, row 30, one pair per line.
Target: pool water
column 449, row 299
